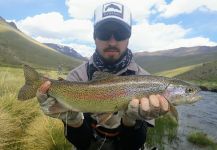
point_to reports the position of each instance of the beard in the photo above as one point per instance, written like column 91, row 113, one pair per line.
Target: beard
column 111, row 59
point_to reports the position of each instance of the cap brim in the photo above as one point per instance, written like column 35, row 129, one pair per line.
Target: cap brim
column 112, row 24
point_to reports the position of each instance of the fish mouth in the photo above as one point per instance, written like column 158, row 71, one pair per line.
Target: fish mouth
column 195, row 97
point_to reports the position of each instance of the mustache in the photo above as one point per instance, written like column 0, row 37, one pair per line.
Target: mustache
column 110, row 48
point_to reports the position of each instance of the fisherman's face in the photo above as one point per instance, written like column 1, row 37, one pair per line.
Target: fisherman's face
column 111, row 44
column 111, row 50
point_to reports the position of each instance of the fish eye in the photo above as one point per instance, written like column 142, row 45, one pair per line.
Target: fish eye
column 189, row 90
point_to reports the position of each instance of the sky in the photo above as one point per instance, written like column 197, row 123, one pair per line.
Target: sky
column 157, row 24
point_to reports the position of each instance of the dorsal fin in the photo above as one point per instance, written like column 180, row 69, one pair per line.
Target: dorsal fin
column 99, row 75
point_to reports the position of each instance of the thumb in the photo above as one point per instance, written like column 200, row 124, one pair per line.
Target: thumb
column 44, row 87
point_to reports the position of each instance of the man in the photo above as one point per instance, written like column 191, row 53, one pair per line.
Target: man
column 112, row 30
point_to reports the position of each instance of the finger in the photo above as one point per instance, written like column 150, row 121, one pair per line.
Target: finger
column 144, row 104
column 164, row 105
column 44, row 87
column 154, row 101
column 154, row 106
column 133, row 106
column 144, row 110
column 134, row 103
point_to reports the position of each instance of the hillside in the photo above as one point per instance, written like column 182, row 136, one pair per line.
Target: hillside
column 204, row 74
column 177, row 71
column 175, row 58
column 16, row 49
column 66, row 50
column 205, row 71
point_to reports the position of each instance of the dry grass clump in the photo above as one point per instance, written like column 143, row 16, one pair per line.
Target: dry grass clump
column 22, row 124
column 9, row 131
column 45, row 133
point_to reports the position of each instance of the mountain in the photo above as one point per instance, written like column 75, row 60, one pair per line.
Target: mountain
column 16, row 49
column 12, row 24
column 170, row 59
column 66, row 50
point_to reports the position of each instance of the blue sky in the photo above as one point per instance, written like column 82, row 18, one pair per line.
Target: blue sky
column 20, row 9
column 158, row 24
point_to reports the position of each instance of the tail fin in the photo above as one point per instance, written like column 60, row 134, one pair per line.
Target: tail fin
column 32, row 83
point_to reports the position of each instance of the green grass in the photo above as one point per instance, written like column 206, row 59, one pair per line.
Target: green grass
column 23, row 126
column 165, row 131
column 177, row 71
column 201, row 139
column 16, row 49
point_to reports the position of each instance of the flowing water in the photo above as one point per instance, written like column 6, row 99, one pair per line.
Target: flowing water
column 201, row 116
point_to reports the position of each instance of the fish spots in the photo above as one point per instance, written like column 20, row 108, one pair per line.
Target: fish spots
column 96, row 94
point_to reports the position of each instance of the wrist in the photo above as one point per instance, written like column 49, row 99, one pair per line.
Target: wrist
column 75, row 121
column 128, row 122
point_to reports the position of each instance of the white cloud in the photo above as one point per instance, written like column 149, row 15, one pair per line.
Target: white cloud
column 177, row 7
column 190, row 42
column 53, row 26
column 146, row 37
column 140, row 9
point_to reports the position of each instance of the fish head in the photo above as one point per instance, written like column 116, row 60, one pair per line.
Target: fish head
column 181, row 92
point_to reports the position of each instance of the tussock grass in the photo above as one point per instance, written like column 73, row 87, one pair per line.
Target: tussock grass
column 201, row 139
column 22, row 124
column 45, row 133
column 9, row 131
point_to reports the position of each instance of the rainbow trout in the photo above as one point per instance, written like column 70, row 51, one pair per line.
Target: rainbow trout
column 108, row 92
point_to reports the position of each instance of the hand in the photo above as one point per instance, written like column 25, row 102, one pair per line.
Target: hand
column 51, row 107
column 145, row 109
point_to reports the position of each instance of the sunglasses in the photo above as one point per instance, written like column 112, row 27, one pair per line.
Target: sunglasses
column 106, row 35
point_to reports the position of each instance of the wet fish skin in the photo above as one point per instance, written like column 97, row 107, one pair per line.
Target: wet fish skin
column 108, row 92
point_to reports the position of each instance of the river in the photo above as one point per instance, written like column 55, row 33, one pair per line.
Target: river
column 200, row 116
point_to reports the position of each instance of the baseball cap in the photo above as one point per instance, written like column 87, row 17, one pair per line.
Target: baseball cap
column 113, row 15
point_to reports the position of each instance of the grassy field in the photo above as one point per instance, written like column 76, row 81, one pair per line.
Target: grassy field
column 23, row 125
column 178, row 71
column 16, row 49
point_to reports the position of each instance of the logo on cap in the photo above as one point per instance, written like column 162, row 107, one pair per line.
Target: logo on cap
column 113, row 9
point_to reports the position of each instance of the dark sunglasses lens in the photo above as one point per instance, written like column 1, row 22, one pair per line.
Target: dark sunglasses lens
column 119, row 35
column 103, row 35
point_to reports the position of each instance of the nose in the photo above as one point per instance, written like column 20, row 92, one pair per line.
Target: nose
column 112, row 41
